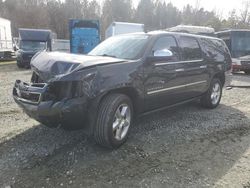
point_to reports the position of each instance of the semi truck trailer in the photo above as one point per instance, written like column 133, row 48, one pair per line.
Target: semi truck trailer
column 30, row 42
column 6, row 44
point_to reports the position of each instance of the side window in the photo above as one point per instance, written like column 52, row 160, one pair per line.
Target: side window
column 228, row 43
column 224, row 46
column 210, row 48
column 214, row 49
column 167, row 42
column 190, row 48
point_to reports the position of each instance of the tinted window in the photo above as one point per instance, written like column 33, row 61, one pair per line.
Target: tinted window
column 190, row 48
column 228, row 43
column 167, row 42
column 214, row 49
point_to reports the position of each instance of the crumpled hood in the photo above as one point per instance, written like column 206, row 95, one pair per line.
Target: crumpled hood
column 49, row 65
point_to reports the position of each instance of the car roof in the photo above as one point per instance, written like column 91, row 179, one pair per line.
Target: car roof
column 233, row 30
column 163, row 32
column 160, row 32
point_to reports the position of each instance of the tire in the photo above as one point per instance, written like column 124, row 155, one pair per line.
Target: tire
column 247, row 72
column 215, row 89
column 114, row 119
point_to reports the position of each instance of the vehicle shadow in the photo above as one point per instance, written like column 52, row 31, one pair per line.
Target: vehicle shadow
column 183, row 146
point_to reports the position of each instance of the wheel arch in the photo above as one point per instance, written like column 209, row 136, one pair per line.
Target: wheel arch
column 131, row 92
column 221, row 76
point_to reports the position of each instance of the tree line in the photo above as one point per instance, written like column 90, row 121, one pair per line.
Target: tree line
column 155, row 14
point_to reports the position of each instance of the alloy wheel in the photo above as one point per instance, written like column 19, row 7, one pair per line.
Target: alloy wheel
column 122, row 121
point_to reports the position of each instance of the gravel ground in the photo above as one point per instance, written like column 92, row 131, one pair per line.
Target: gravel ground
column 186, row 146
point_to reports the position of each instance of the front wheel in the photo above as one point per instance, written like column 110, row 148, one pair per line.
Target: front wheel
column 211, row 99
column 113, row 120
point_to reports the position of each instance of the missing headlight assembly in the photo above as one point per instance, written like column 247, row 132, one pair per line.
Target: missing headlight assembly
column 64, row 90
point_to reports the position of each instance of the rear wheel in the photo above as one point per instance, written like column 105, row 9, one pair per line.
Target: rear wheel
column 211, row 99
column 113, row 120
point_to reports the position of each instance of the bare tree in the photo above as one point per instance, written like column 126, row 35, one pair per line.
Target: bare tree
column 155, row 14
column 244, row 15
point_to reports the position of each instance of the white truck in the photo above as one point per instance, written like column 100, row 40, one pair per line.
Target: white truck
column 61, row 45
column 6, row 44
column 117, row 28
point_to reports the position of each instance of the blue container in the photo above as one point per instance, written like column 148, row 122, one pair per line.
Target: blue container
column 84, row 35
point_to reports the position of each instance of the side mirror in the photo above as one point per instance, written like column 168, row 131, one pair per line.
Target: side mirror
column 161, row 55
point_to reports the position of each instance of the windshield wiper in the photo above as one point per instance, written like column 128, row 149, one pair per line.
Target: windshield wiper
column 106, row 55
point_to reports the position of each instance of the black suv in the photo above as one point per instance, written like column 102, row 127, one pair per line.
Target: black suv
column 124, row 76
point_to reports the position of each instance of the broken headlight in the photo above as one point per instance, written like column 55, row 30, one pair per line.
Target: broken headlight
column 64, row 90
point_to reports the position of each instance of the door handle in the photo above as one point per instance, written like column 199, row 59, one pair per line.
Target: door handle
column 179, row 70
column 203, row 67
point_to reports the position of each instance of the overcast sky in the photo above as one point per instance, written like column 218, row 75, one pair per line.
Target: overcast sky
column 223, row 7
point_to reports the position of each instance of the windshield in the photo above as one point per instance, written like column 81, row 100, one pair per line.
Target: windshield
column 32, row 45
column 123, row 47
column 240, row 44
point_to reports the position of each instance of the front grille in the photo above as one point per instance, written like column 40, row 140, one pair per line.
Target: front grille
column 38, row 85
column 29, row 93
column 26, row 96
column 32, row 97
column 27, row 57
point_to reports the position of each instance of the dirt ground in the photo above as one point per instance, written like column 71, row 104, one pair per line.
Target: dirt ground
column 186, row 146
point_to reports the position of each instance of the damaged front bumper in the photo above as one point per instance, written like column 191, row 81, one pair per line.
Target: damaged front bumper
column 34, row 100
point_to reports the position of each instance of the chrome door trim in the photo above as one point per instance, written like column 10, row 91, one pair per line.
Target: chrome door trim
column 203, row 67
column 179, row 70
column 175, row 87
column 179, row 62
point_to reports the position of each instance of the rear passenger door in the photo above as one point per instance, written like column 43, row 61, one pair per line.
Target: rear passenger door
column 192, row 69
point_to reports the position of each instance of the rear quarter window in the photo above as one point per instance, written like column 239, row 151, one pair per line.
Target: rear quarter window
column 214, row 49
column 190, row 48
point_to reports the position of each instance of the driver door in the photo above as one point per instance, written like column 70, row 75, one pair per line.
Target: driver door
column 161, row 84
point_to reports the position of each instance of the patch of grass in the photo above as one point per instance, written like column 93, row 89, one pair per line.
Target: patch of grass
column 7, row 62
